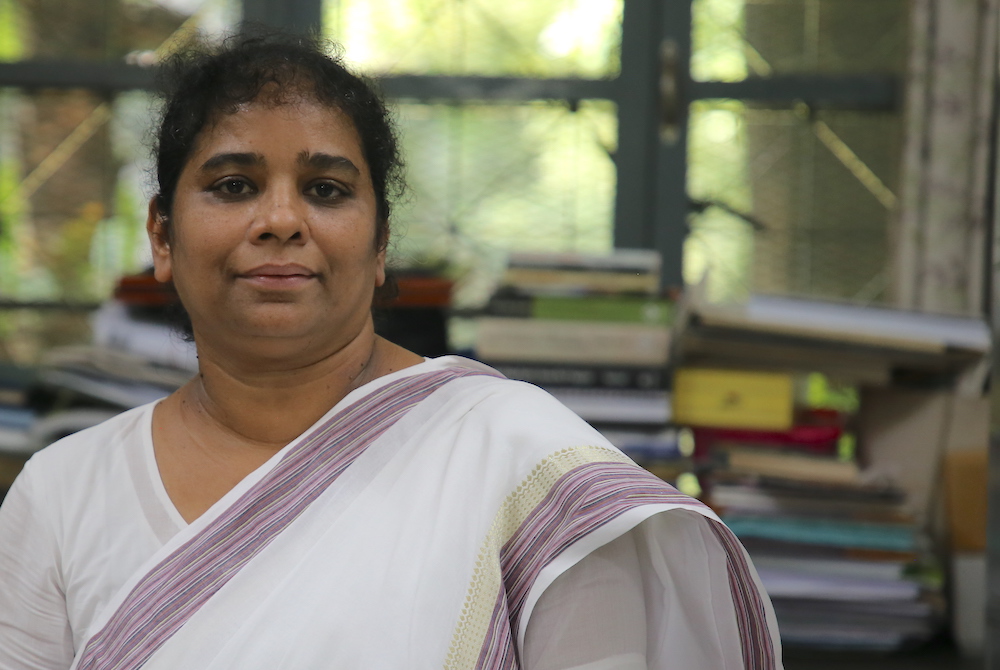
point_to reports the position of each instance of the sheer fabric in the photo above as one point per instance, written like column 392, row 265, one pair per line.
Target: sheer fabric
column 650, row 599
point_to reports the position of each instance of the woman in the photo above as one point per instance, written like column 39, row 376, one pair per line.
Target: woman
column 317, row 497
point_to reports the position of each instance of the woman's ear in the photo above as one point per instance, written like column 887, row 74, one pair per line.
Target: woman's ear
column 380, row 268
column 159, row 241
column 382, row 244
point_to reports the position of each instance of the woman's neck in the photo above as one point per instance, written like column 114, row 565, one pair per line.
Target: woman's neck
column 266, row 404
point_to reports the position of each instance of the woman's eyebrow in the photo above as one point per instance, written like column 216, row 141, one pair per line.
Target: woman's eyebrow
column 327, row 162
column 245, row 159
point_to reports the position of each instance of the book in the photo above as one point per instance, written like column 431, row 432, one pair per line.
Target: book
column 61, row 423
column 114, row 328
column 843, row 323
column 15, row 441
column 765, row 501
column 16, row 383
column 857, row 624
column 619, row 308
column 582, row 375
column 855, row 344
column 801, row 467
column 777, row 547
column 832, row 567
column 577, row 282
column 647, row 446
column 112, row 363
column 616, row 272
column 640, row 261
column 122, row 393
column 620, row 406
column 841, row 638
column 812, row 439
column 863, row 490
column 733, row 399
column 915, row 609
column 16, row 417
column 783, row 583
column 854, row 534
column 10, row 467
column 557, row 341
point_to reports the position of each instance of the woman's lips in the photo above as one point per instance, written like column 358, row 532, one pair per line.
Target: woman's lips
column 278, row 276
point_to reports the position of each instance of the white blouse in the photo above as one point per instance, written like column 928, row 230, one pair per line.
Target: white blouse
column 87, row 512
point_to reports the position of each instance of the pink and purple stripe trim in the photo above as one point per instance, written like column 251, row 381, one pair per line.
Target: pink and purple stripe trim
column 173, row 591
column 751, row 617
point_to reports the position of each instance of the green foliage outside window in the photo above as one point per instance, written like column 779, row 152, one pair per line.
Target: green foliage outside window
column 485, row 178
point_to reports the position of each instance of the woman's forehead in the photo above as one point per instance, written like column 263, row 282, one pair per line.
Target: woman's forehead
column 301, row 121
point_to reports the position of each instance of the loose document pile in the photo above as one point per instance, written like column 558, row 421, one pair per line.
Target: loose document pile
column 137, row 356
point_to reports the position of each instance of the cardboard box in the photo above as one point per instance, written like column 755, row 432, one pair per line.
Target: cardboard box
column 965, row 476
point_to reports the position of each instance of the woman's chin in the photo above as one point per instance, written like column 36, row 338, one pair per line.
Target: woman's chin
column 275, row 334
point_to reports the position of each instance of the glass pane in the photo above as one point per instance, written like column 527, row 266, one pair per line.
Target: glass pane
column 717, row 43
column 537, row 38
column 818, row 191
column 720, row 242
column 733, row 39
column 26, row 334
column 71, row 192
column 110, row 30
column 490, row 178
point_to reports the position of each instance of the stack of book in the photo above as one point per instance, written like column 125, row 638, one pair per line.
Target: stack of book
column 16, row 415
column 143, row 319
column 594, row 331
column 95, row 376
column 841, row 555
column 17, row 419
column 137, row 356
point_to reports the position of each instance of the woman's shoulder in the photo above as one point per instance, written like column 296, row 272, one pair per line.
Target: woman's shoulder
column 88, row 454
column 524, row 422
column 505, row 398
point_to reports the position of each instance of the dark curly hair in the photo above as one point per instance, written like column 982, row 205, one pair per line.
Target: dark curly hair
column 201, row 84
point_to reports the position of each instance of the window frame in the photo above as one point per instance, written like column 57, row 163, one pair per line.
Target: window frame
column 652, row 95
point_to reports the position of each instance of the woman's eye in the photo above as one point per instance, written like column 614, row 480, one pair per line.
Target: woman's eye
column 233, row 187
column 324, row 190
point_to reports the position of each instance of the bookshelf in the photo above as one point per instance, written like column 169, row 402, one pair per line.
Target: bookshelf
column 922, row 382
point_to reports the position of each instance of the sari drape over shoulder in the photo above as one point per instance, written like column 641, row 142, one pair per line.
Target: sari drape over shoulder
column 419, row 525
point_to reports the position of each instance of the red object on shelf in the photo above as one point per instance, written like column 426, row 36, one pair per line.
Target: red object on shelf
column 422, row 291
column 811, row 439
column 143, row 289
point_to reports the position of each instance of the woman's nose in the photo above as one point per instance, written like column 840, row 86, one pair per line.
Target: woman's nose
column 282, row 216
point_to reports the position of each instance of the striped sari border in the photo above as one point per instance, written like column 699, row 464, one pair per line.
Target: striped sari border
column 585, row 499
column 582, row 500
column 499, row 651
column 174, row 590
column 751, row 617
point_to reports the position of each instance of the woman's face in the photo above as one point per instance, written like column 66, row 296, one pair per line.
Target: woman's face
column 273, row 228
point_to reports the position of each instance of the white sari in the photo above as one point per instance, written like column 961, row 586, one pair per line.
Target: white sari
column 422, row 524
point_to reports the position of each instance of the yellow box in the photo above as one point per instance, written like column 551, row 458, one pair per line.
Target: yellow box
column 732, row 399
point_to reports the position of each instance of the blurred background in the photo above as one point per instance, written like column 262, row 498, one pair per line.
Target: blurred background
column 779, row 169
column 824, row 151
